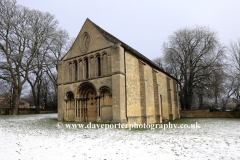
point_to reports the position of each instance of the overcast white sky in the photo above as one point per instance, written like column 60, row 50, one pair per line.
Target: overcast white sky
column 145, row 24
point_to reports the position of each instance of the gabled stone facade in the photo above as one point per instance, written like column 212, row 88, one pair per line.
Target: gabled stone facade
column 101, row 79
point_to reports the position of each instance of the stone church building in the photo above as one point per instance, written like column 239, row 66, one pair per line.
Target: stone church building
column 102, row 79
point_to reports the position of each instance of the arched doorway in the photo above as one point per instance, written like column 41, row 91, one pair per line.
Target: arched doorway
column 91, row 103
column 105, row 104
column 86, row 109
column 70, row 107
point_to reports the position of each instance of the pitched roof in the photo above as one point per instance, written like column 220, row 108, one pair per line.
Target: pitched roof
column 113, row 39
column 30, row 101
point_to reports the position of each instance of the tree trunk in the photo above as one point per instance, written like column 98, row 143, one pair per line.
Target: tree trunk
column 224, row 106
column 216, row 97
column 16, row 99
column 200, row 97
column 185, row 98
column 38, row 96
column 37, row 110
column 35, row 98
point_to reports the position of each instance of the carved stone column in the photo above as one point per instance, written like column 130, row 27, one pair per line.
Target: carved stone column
column 65, row 109
column 101, row 65
column 98, row 109
column 76, row 108
column 84, row 69
column 73, row 72
column 68, row 73
column 80, row 101
column 78, row 62
column 96, row 67
column 89, row 67
column 85, row 110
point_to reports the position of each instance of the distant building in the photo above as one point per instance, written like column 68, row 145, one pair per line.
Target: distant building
column 5, row 100
column 4, row 103
column 23, row 104
column 28, row 103
column 102, row 79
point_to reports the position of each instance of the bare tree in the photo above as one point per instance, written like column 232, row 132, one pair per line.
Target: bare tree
column 60, row 45
column 158, row 62
column 234, row 50
column 50, row 40
column 16, row 60
column 25, row 36
column 6, row 91
column 48, row 93
column 217, row 80
column 45, row 91
column 190, row 55
column 231, row 85
column 5, row 87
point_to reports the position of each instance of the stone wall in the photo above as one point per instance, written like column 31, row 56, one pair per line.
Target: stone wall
column 138, row 91
column 150, row 99
column 133, row 81
column 162, row 81
column 27, row 111
column 208, row 114
column 150, row 105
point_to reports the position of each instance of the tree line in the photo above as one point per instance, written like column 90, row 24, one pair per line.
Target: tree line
column 207, row 71
column 31, row 44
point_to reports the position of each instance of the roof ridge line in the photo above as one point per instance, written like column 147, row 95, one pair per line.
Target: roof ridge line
column 114, row 39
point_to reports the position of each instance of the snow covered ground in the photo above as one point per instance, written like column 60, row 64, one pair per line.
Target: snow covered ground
column 38, row 137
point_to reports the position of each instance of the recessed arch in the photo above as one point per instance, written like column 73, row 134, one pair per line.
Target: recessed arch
column 99, row 67
column 85, row 58
column 69, row 106
column 81, row 91
column 69, row 94
column 106, row 103
column 103, row 88
column 70, row 63
column 104, row 63
column 86, row 67
column 97, row 55
column 75, row 65
column 85, row 42
column 91, row 56
column 103, row 53
column 86, row 92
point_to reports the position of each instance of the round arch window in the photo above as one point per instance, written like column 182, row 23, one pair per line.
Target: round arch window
column 85, row 41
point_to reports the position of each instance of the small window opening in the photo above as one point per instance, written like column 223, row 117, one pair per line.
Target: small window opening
column 76, row 71
column 87, row 73
column 99, row 66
